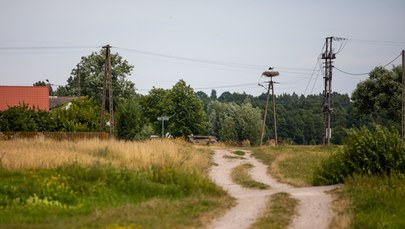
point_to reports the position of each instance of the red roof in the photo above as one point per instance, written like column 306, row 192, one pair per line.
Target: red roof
column 37, row 96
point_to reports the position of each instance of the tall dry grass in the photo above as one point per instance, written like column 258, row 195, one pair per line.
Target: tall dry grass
column 34, row 153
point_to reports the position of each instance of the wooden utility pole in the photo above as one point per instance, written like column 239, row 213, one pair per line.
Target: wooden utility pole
column 403, row 95
column 107, row 79
column 78, row 79
column 274, row 111
column 110, row 89
column 265, row 115
column 271, row 74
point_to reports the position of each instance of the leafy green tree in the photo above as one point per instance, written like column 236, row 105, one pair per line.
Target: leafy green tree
column 186, row 111
column 180, row 104
column 248, row 121
column 228, row 131
column 204, row 98
column 232, row 122
column 217, row 112
column 378, row 99
column 81, row 115
column 155, row 105
column 213, row 95
column 129, row 120
column 92, row 70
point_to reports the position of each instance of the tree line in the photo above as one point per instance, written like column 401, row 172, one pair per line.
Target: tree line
column 232, row 117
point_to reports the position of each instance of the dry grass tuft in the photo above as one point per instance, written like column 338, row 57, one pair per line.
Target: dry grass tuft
column 341, row 210
column 31, row 154
column 279, row 212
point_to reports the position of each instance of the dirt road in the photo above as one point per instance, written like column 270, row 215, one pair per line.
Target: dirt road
column 313, row 211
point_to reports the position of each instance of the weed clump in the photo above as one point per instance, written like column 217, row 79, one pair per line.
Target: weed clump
column 367, row 151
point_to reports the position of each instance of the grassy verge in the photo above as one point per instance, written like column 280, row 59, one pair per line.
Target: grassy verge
column 241, row 176
column 294, row 165
column 108, row 185
column 279, row 212
column 341, row 209
column 377, row 202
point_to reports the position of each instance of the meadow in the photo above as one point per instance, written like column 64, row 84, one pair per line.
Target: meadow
column 106, row 184
column 164, row 184
column 366, row 201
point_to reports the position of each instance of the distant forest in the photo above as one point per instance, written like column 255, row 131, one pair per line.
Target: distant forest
column 299, row 118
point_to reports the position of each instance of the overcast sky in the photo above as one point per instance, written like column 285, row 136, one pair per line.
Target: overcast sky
column 222, row 45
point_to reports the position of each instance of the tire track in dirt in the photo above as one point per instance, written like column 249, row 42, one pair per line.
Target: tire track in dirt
column 314, row 204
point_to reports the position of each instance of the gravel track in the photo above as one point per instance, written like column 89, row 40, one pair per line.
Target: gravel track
column 314, row 204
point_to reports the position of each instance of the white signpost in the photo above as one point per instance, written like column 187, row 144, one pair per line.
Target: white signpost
column 163, row 119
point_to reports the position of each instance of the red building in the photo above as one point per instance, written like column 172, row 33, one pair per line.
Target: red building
column 37, row 96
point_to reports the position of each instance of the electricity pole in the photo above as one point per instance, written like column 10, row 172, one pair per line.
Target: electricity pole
column 107, row 79
column 328, row 56
column 265, row 115
column 274, row 111
column 78, row 80
column 108, row 61
column 270, row 74
column 403, row 95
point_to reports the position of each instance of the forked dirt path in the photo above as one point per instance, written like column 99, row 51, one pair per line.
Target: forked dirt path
column 314, row 204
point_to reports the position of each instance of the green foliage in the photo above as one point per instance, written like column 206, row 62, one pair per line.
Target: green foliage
column 186, row 111
column 92, row 70
column 154, row 105
column 299, row 118
column 378, row 201
column 375, row 151
column 332, row 170
column 80, row 115
column 378, row 99
column 129, row 120
column 180, row 104
column 20, row 118
column 232, row 122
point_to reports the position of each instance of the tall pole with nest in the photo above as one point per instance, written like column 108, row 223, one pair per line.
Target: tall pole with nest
column 271, row 74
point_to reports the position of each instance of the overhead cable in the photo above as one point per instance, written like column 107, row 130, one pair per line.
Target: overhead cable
column 362, row 74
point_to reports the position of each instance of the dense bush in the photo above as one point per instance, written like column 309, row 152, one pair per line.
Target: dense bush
column 80, row 115
column 374, row 151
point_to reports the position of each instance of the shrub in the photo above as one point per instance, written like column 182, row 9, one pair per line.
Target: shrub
column 374, row 151
column 332, row 170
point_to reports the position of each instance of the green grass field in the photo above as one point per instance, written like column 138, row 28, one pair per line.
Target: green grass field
column 154, row 184
column 174, row 191
column 365, row 201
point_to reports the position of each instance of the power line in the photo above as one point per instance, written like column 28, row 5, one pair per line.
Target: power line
column 198, row 60
column 379, row 42
column 362, row 74
column 227, row 86
column 348, row 73
column 47, row 47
